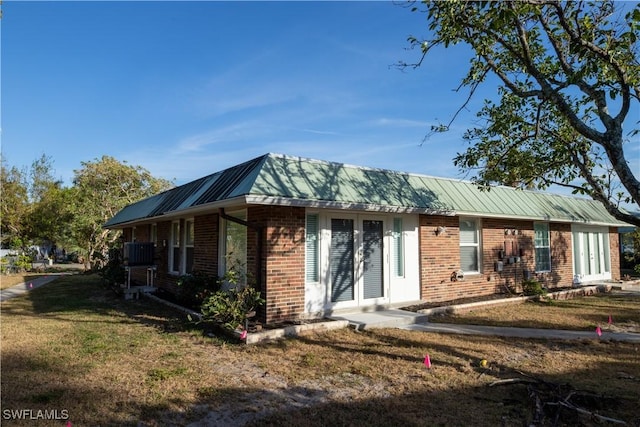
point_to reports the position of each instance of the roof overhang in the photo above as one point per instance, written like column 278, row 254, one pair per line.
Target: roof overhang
column 200, row 209
column 330, row 204
column 251, row 199
column 541, row 219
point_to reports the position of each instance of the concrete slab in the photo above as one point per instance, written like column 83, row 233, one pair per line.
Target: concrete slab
column 391, row 318
column 523, row 332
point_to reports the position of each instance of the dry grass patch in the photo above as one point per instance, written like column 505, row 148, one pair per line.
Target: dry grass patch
column 583, row 313
column 9, row 280
column 74, row 345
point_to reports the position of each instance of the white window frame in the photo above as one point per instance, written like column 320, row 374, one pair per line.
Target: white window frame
column 153, row 233
column 477, row 244
column 537, row 246
column 222, row 255
column 189, row 243
column 398, row 257
column 175, row 242
column 312, row 238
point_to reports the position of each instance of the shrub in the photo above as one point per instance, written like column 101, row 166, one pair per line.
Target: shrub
column 532, row 287
column 231, row 308
column 196, row 287
column 15, row 263
column 113, row 273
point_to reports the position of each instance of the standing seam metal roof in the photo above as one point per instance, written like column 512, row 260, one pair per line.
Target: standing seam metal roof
column 285, row 179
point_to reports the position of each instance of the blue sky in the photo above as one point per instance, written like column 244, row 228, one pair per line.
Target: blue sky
column 185, row 89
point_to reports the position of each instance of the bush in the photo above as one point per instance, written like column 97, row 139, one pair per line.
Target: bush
column 113, row 273
column 231, row 308
column 196, row 287
column 532, row 287
column 15, row 263
column 235, row 300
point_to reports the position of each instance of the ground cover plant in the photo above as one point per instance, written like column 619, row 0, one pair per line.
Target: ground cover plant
column 74, row 345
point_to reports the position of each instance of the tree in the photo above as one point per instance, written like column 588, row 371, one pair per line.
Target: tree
column 103, row 187
column 50, row 218
column 41, row 178
column 13, row 205
column 568, row 75
column 49, row 214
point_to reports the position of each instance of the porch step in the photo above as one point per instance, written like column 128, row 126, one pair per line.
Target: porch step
column 381, row 319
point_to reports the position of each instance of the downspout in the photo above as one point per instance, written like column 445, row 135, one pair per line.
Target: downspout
column 258, row 229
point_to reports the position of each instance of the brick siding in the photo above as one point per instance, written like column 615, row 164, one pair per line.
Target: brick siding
column 440, row 258
column 283, row 258
column 283, row 262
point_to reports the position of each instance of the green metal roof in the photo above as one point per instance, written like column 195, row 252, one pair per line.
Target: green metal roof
column 278, row 179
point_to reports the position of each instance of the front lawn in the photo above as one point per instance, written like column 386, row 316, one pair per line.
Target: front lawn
column 584, row 313
column 73, row 345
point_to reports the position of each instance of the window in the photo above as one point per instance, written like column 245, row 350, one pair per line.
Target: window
column 188, row 245
column 153, row 233
column 312, row 248
column 542, row 246
column 469, row 246
column 398, row 248
column 174, row 262
column 235, row 246
column 133, row 234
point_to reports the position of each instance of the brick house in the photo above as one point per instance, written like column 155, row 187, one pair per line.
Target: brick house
column 323, row 237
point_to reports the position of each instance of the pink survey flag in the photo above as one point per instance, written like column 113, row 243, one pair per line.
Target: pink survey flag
column 30, row 285
column 598, row 331
column 427, row 361
column 243, row 334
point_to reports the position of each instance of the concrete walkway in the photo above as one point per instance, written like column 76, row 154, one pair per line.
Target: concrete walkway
column 522, row 332
column 23, row 288
column 395, row 318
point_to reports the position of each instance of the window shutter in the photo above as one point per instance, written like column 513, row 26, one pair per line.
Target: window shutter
column 342, row 263
column 312, row 248
column 398, row 248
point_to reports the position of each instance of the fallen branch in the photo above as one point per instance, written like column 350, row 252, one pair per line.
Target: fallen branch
column 512, row 381
column 545, row 394
column 585, row 412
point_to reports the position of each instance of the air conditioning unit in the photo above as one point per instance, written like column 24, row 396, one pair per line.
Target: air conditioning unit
column 136, row 253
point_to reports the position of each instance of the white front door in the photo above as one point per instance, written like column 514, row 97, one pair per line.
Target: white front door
column 358, row 271
column 363, row 259
column 591, row 258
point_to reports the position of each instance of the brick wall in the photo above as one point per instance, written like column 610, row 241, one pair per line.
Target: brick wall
column 561, row 273
column 614, row 245
column 283, row 260
column 205, row 245
column 283, row 263
column 440, row 258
